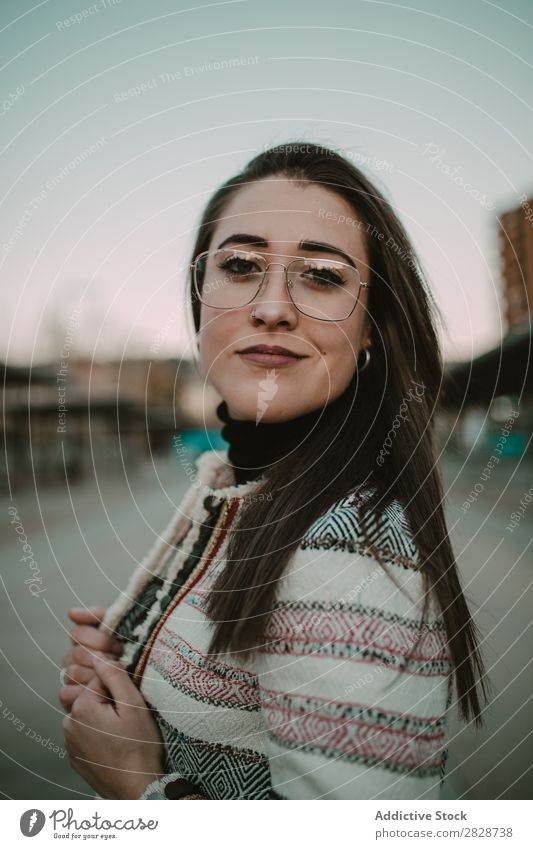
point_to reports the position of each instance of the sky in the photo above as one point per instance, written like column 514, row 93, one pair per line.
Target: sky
column 119, row 118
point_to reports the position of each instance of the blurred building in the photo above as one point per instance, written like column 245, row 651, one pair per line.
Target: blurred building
column 516, row 249
column 80, row 417
column 479, row 395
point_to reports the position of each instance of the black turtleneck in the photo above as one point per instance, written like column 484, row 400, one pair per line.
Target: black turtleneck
column 254, row 447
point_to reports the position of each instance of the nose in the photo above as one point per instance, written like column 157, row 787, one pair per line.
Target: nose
column 278, row 306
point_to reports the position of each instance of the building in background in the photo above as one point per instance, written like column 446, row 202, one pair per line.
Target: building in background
column 480, row 395
column 516, row 250
column 64, row 422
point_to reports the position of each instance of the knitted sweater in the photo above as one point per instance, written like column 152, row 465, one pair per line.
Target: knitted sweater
column 328, row 708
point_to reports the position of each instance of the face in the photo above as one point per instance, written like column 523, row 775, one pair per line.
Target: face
column 281, row 215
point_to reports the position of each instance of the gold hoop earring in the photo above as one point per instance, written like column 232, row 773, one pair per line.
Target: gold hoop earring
column 366, row 362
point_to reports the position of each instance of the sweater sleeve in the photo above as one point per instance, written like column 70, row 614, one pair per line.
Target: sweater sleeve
column 348, row 715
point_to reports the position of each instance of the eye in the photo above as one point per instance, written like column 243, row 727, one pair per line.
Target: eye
column 239, row 266
column 324, row 276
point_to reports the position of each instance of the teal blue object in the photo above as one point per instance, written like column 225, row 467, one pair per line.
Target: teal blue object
column 513, row 445
column 198, row 441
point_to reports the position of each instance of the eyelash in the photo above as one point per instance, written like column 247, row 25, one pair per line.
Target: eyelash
column 339, row 280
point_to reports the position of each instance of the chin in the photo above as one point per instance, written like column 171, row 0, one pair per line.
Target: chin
column 260, row 406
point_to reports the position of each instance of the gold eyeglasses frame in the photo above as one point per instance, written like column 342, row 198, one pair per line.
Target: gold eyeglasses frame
column 193, row 266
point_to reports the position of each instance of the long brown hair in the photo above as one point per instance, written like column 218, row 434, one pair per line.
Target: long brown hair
column 334, row 460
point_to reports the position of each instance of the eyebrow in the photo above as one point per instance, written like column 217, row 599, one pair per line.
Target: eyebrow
column 304, row 245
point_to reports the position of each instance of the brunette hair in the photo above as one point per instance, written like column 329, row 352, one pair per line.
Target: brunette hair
column 335, row 460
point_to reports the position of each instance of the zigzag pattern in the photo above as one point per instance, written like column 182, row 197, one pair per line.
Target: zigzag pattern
column 388, row 531
column 224, row 772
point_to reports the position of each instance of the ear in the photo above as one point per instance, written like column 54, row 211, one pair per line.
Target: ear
column 366, row 332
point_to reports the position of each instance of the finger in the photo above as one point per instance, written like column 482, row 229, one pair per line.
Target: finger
column 68, row 659
column 91, row 696
column 68, row 695
column 96, row 687
column 79, row 656
column 75, row 674
column 84, row 657
column 86, row 616
column 115, row 679
column 92, row 638
column 76, row 698
column 71, row 693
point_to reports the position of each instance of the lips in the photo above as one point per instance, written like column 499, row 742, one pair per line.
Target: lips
column 271, row 349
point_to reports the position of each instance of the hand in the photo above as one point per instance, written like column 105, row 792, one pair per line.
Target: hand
column 85, row 638
column 116, row 747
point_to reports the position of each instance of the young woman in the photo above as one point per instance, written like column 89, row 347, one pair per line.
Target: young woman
column 299, row 629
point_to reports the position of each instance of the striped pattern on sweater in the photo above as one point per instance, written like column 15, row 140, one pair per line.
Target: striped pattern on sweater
column 329, row 708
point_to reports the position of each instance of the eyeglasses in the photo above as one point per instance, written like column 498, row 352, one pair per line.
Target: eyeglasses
column 324, row 289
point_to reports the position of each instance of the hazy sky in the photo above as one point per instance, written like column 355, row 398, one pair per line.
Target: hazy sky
column 118, row 124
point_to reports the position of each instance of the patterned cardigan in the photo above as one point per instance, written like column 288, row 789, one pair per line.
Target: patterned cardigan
column 329, row 708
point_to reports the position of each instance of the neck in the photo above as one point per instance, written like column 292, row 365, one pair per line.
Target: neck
column 254, row 447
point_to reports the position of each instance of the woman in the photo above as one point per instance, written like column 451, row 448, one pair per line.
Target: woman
column 299, row 630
